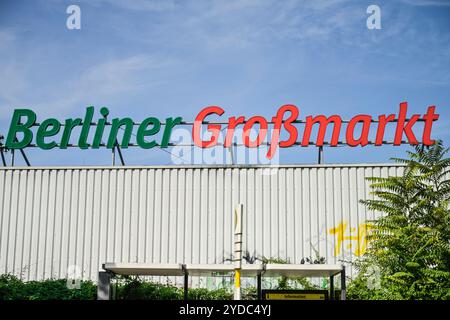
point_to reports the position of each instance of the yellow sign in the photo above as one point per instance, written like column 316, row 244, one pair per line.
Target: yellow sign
column 295, row 296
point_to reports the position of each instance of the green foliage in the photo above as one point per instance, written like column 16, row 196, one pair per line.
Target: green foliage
column 249, row 293
column 285, row 283
column 410, row 243
column 205, row 294
column 127, row 288
column 133, row 288
column 12, row 288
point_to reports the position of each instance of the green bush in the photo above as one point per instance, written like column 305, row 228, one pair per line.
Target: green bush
column 249, row 293
column 136, row 289
column 12, row 288
column 127, row 288
column 205, row 294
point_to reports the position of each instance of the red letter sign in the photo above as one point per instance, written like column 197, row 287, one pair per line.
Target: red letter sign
column 287, row 125
column 213, row 128
column 401, row 127
column 350, row 134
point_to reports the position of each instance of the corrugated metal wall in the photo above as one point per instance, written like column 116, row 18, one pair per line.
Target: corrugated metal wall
column 52, row 218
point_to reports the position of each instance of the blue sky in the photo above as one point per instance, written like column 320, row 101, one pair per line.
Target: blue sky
column 172, row 58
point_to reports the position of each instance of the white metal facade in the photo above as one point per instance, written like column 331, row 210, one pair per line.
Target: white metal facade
column 51, row 218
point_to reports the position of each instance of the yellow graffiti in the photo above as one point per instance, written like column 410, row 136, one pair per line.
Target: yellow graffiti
column 350, row 236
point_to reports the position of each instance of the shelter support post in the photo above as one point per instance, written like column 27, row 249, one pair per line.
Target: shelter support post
column 186, row 285
column 258, row 286
column 332, row 287
column 104, row 285
column 343, row 284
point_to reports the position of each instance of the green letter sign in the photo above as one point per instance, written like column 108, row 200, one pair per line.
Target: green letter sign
column 16, row 126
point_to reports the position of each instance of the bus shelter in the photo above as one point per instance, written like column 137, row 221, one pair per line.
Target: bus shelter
column 192, row 270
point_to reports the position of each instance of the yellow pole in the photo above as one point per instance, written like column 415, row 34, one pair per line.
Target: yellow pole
column 237, row 279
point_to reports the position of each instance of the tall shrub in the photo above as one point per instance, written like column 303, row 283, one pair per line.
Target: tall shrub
column 409, row 245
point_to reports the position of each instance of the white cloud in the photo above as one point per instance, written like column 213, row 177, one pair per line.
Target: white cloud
column 426, row 3
column 139, row 5
column 117, row 76
column 103, row 82
column 236, row 24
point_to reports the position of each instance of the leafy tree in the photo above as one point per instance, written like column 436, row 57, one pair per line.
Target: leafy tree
column 409, row 246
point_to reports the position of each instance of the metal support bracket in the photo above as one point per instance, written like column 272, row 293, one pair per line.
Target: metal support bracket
column 119, row 151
